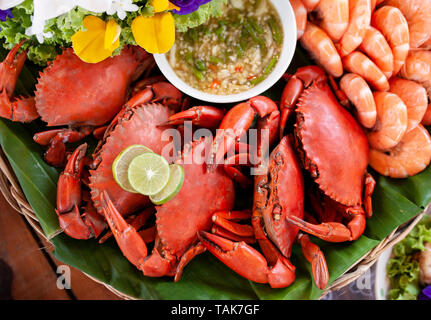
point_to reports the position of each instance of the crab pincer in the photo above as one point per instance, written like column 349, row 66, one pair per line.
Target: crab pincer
column 19, row 108
column 69, row 196
column 247, row 261
column 128, row 239
column 203, row 116
column 237, row 121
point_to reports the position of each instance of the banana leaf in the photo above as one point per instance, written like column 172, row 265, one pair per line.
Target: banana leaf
column 394, row 202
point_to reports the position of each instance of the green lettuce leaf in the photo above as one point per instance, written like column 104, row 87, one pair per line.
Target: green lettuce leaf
column 403, row 268
column 194, row 19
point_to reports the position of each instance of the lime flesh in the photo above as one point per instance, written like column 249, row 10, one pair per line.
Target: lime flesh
column 172, row 188
column 121, row 164
column 148, row 173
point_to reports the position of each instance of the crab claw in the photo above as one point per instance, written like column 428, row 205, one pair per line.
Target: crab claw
column 203, row 116
column 11, row 67
column 294, row 88
column 316, row 258
column 128, row 239
column 69, row 196
column 57, row 139
column 236, row 122
column 246, row 261
column 167, row 94
column 16, row 109
column 334, row 231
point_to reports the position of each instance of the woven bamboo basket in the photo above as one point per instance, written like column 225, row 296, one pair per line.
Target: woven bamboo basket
column 11, row 190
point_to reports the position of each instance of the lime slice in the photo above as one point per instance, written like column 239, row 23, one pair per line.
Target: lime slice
column 172, row 188
column 122, row 162
column 148, row 173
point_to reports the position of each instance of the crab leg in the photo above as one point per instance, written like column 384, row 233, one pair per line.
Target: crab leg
column 271, row 252
column 245, row 260
column 236, row 175
column 370, row 183
column 99, row 133
column 16, row 109
column 69, row 196
column 136, row 221
column 315, row 257
column 203, row 116
column 335, row 231
column 242, row 230
column 92, row 218
column 187, row 257
column 226, row 226
column 237, row 121
column 293, row 90
column 219, row 231
column 235, row 215
column 57, row 139
column 128, row 239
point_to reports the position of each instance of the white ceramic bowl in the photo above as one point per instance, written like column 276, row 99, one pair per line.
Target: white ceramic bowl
column 382, row 283
column 288, row 22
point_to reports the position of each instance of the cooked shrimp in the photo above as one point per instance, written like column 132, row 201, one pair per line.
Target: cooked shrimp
column 358, row 63
column 391, row 124
column 359, row 93
column 334, row 17
column 300, row 16
column 426, row 45
column 414, row 97
column 375, row 3
column 418, row 68
column 411, row 156
column 391, row 22
column 360, row 18
column 377, row 49
column 418, row 16
column 322, row 49
column 426, row 120
column 310, row 4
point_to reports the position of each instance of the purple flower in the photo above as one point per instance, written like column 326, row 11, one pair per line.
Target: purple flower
column 425, row 294
column 4, row 14
column 188, row 6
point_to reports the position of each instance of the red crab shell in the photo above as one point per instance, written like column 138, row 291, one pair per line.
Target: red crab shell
column 203, row 193
column 331, row 138
column 135, row 126
column 72, row 92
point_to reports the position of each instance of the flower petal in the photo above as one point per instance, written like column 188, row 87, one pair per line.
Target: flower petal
column 7, row 4
column 98, row 6
column 89, row 45
column 42, row 12
column 155, row 34
column 171, row 6
column 112, row 35
column 160, row 5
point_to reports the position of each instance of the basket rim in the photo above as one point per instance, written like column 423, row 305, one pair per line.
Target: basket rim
column 12, row 192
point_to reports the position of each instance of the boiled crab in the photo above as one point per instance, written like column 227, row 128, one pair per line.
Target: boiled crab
column 334, row 150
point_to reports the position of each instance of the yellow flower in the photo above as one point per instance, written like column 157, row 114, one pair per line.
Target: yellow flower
column 98, row 41
column 162, row 5
column 156, row 34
